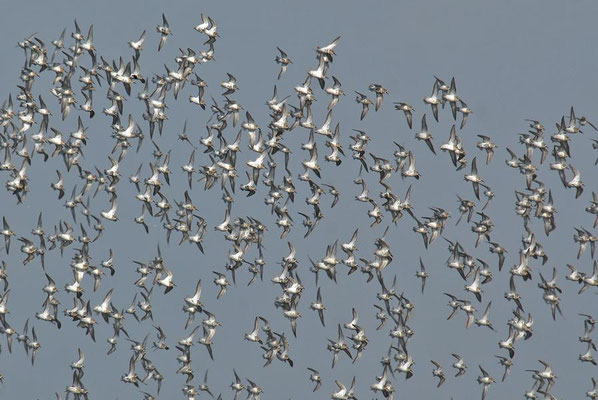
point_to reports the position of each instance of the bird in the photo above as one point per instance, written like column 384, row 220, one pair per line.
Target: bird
column 319, row 306
column 425, row 135
column 138, row 45
column 452, row 98
column 433, row 100
column 422, row 274
column 459, row 365
column 487, row 145
column 380, row 91
column 164, row 31
column 365, row 104
column 507, row 363
column 7, row 233
column 284, row 61
column 438, row 373
column 253, row 336
column 408, row 111
column 485, row 380
column 474, row 178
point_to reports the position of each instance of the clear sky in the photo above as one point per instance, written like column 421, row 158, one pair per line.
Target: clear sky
column 511, row 61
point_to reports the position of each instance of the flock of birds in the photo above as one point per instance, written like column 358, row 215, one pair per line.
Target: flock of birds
column 90, row 194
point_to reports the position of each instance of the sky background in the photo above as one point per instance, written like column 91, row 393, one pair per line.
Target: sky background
column 511, row 61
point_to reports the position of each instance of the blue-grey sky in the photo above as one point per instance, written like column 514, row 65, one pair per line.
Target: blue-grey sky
column 511, row 61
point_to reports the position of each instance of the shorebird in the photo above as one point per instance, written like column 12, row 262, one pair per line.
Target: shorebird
column 485, row 380
column 284, row 61
column 164, row 31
